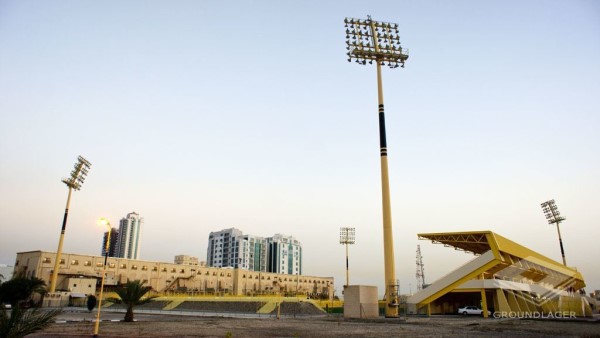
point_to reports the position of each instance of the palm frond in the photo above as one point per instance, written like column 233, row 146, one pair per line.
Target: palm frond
column 23, row 322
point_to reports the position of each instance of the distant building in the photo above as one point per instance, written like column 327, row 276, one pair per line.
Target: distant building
column 6, row 272
column 112, row 247
column 277, row 254
column 285, row 255
column 253, row 253
column 223, row 248
column 129, row 236
column 186, row 260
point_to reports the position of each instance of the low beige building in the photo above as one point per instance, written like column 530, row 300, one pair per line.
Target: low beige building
column 165, row 277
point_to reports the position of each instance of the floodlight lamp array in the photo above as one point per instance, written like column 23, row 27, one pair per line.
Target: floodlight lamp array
column 368, row 41
column 551, row 212
column 347, row 235
column 78, row 174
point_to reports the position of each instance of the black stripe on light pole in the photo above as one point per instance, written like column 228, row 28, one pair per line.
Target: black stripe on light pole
column 382, row 138
column 64, row 223
column 562, row 250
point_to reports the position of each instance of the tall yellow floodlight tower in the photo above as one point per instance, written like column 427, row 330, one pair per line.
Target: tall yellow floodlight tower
column 369, row 41
column 74, row 182
column 553, row 216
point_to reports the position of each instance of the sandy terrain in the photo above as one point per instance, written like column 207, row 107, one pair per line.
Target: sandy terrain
column 181, row 326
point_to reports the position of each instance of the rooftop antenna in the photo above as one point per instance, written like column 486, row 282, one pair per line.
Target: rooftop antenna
column 420, row 270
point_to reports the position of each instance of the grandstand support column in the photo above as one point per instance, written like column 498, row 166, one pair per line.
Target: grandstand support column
column 279, row 309
column 484, row 303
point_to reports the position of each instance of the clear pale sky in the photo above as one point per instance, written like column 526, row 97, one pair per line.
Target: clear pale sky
column 204, row 115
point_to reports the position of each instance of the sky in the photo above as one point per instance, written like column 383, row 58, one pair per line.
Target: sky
column 206, row 115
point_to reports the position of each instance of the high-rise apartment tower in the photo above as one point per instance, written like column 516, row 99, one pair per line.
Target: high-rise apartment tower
column 112, row 247
column 223, row 248
column 129, row 236
column 285, row 255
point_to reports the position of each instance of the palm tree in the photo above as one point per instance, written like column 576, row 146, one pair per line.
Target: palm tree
column 18, row 292
column 131, row 295
column 22, row 322
column 21, row 290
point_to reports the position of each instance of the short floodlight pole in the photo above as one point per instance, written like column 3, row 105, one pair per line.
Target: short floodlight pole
column 74, row 182
column 369, row 41
column 553, row 216
column 347, row 236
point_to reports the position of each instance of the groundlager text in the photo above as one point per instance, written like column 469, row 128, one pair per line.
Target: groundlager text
column 536, row 315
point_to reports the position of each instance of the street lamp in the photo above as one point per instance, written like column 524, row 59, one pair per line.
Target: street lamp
column 369, row 40
column 347, row 236
column 74, row 182
column 553, row 216
column 102, row 221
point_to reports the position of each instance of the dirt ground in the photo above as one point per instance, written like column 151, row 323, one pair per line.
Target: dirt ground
column 173, row 326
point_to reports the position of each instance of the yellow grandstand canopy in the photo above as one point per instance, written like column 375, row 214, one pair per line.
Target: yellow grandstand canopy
column 499, row 259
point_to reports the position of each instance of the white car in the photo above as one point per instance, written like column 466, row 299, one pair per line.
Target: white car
column 471, row 310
